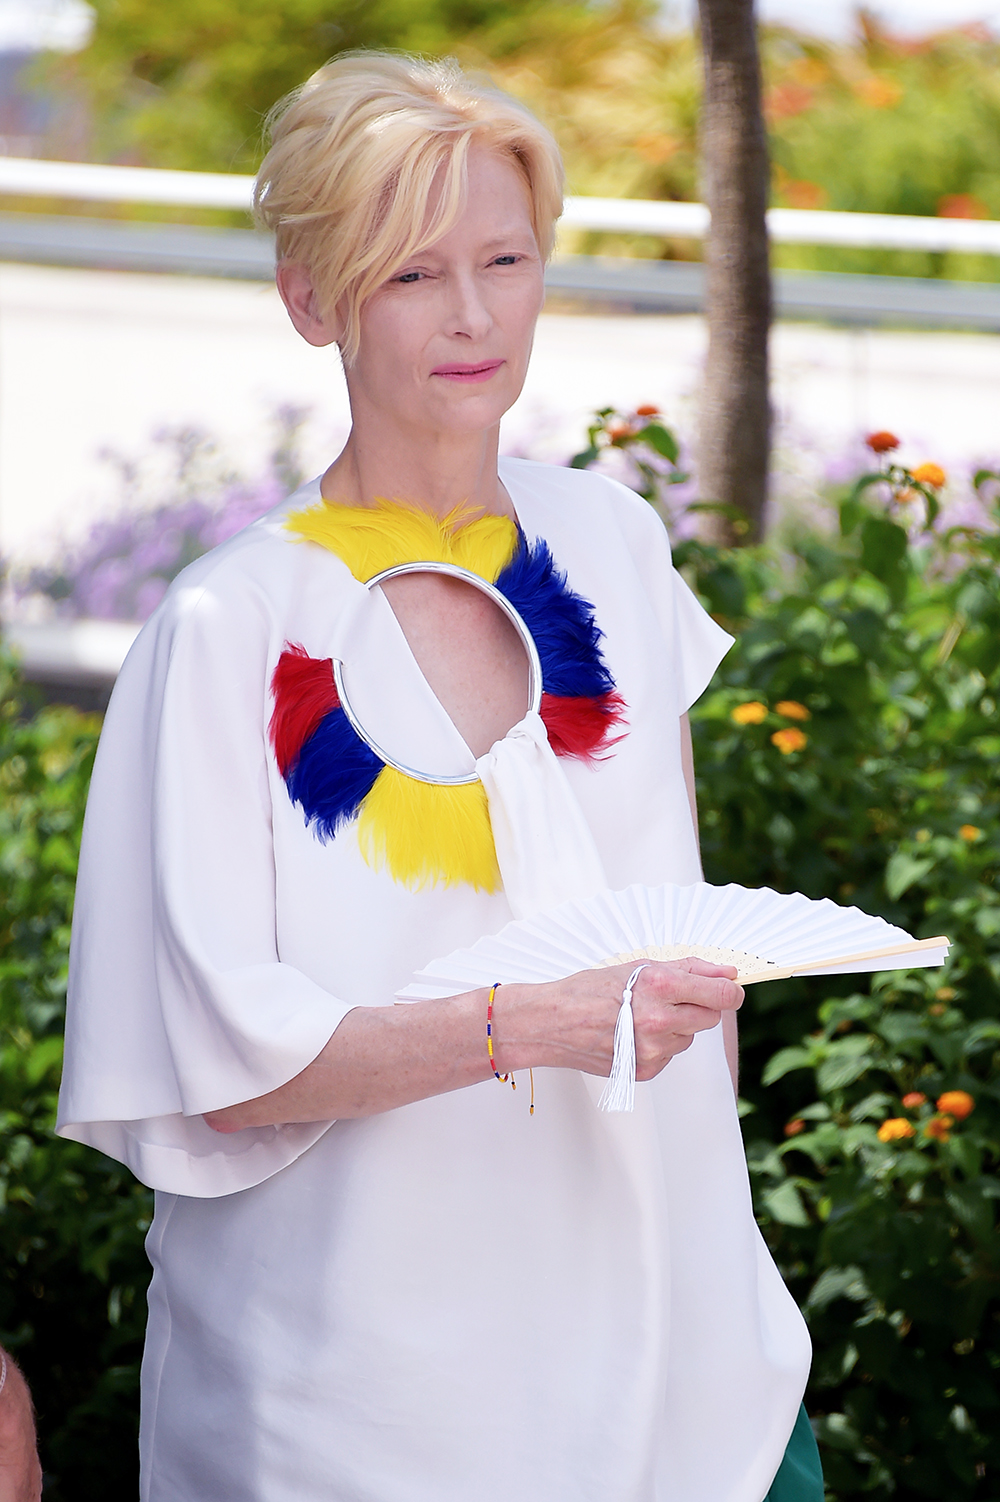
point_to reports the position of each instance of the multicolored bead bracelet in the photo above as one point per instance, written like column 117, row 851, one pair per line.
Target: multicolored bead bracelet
column 503, row 1078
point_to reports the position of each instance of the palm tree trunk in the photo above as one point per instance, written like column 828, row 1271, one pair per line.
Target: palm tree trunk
column 735, row 435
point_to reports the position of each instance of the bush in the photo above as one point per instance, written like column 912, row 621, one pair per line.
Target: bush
column 72, row 1268
column 866, row 772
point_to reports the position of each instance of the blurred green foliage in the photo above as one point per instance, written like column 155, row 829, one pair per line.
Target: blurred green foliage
column 72, row 1268
column 890, row 127
column 883, row 125
column 847, row 748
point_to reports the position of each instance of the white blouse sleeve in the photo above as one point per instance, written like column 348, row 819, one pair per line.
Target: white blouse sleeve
column 701, row 643
column 178, row 1002
column 695, row 642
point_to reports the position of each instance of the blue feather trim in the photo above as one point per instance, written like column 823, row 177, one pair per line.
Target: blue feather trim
column 562, row 623
column 334, row 772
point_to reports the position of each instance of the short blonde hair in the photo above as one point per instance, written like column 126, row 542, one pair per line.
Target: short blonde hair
column 353, row 157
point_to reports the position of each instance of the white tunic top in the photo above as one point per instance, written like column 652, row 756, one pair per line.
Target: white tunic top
column 449, row 1302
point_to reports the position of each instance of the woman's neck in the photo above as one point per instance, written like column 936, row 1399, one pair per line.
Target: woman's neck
column 434, row 474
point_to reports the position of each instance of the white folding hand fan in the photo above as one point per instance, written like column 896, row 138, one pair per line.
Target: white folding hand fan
column 766, row 935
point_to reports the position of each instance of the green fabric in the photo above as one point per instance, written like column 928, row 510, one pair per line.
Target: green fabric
column 800, row 1475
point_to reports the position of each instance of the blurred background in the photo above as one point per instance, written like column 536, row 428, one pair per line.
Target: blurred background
column 122, row 389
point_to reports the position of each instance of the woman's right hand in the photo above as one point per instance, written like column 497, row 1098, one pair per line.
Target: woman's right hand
column 383, row 1057
column 570, row 1024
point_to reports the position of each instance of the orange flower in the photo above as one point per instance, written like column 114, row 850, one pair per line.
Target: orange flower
column 647, row 410
column 930, row 474
column 958, row 1103
column 962, row 206
column 939, row 1127
column 913, row 1098
column 795, row 1127
column 896, row 1128
column 882, row 442
column 879, row 92
column 618, row 430
column 749, row 714
column 969, row 832
column 793, row 710
column 788, row 741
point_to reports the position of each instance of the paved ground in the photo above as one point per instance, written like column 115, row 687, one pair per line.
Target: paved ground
column 91, row 361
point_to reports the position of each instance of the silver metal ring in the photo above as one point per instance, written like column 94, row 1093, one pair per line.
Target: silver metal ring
column 502, row 603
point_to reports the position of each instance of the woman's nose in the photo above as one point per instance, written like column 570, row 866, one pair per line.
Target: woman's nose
column 468, row 312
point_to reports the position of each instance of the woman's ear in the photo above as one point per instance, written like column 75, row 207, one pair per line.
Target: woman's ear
column 296, row 291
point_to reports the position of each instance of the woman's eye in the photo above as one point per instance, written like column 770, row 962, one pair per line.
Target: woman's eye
column 409, row 276
column 505, row 260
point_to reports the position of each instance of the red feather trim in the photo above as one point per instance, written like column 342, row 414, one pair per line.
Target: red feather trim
column 304, row 691
column 582, row 727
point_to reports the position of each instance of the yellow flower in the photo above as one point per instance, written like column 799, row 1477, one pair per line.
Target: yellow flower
column 945, row 993
column 913, row 1099
column 793, row 710
column 969, row 832
column 957, row 1103
column 789, row 740
column 749, row 714
column 895, row 1128
column 939, row 1127
column 930, row 474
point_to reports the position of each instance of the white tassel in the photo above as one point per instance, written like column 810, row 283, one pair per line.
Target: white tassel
column 619, row 1092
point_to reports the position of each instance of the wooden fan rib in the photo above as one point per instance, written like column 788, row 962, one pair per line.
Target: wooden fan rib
column 886, row 951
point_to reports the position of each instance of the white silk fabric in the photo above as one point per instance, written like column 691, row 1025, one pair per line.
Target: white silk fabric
column 453, row 1301
column 545, row 850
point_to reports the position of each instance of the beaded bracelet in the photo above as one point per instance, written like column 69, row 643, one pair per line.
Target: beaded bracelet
column 503, row 1078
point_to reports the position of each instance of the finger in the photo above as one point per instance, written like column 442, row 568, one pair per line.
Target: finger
column 673, row 983
column 694, row 966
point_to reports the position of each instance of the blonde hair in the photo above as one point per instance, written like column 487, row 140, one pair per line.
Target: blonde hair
column 354, row 155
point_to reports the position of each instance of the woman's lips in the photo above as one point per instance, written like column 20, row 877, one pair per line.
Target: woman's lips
column 469, row 374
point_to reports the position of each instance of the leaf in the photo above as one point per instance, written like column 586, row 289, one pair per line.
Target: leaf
column 662, row 440
column 903, row 870
column 847, row 1060
column 838, row 1283
column 585, row 459
column 783, row 1062
column 784, row 1204
column 883, row 549
column 972, row 1210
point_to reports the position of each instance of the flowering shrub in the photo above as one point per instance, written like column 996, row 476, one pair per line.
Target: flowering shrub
column 874, row 1131
column 122, row 567
column 72, row 1269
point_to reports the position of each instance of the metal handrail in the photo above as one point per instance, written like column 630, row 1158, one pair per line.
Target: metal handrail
column 86, row 181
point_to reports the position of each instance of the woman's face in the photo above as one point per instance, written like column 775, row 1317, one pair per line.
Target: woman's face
column 445, row 341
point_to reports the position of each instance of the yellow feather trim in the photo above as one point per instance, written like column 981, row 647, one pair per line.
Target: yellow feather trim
column 422, row 833
column 372, row 538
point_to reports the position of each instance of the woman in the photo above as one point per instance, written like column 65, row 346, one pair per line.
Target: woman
column 376, row 1276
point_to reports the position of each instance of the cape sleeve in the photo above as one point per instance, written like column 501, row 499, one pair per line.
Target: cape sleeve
column 178, row 1001
column 695, row 642
column 701, row 642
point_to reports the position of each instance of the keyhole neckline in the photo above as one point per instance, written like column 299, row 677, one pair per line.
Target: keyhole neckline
column 454, row 571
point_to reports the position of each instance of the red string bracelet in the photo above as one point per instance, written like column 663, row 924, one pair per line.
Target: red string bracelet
column 503, row 1078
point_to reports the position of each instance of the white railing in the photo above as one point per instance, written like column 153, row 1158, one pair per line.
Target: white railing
column 220, row 190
